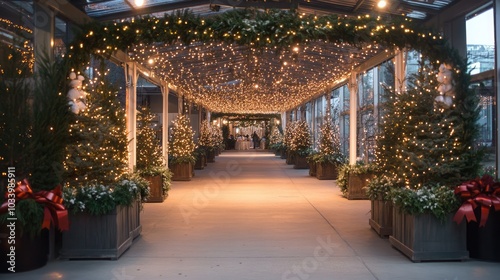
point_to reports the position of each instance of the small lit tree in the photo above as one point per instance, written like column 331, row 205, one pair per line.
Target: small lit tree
column 182, row 145
column 301, row 139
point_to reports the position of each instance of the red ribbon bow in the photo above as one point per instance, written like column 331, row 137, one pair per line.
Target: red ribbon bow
column 484, row 192
column 54, row 210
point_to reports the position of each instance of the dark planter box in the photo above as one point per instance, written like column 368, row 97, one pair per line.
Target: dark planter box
column 300, row 162
column 290, row 157
column 155, row 188
column 381, row 217
column 356, row 184
column 210, row 155
column 326, row 171
column 283, row 154
column 312, row 169
column 200, row 163
column 277, row 152
column 134, row 213
column 425, row 238
column 97, row 237
column 182, row 171
column 30, row 253
column 484, row 242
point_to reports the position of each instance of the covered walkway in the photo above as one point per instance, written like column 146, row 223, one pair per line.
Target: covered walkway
column 251, row 216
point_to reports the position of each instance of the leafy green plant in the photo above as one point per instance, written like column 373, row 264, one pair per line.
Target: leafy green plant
column 379, row 188
column 98, row 199
column 357, row 169
column 437, row 200
column 29, row 214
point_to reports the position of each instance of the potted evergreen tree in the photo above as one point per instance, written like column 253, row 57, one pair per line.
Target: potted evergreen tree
column 300, row 144
column 205, row 142
column 150, row 161
column 276, row 140
column 182, row 146
column 103, row 199
column 329, row 157
column 34, row 121
column 425, row 147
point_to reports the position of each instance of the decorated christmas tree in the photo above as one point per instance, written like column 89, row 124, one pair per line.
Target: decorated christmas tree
column 424, row 141
column 181, row 143
column 329, row 143
column 149, row 151
column 289, row 131
column 301, row 140
column 98, row 154
column 205, row 138
column 276, row 138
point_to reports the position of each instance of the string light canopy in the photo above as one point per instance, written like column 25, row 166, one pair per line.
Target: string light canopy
column 249, row 61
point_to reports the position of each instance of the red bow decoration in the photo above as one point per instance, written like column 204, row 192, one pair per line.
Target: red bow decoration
column 484, row 192
column 54, row 210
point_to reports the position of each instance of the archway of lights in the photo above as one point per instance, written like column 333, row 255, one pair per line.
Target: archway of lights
column 249, row 61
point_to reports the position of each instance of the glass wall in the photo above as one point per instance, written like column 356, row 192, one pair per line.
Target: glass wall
column 481, row 58
column 319, row 108
column 366, row 120
column 340, row 115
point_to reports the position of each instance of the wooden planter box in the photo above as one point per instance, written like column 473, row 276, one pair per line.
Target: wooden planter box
column 200, row 163
column 283, row 154
column 30, row 254
column 484, row 242
column 290, row 157
column 134, row 213
column 326, row 171
column 356, row 184
column 211, row 155
column 155, row 188
column 381, row 217
column 425, row 238
column 182, row 171
column 97, row 237
column 300, row 162
column 277, row 152
column 312, row 169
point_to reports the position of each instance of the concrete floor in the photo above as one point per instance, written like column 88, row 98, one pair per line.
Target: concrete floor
column 251, row 216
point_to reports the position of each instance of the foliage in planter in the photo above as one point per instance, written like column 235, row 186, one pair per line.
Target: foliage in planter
column 425, row 142
column 97, row 199
column 379, row 188
column 358, row 169
column 301, row 140
column 329, row 143
column 98, row 152
column 481, row 192
column 217, row 137
column 165, row 173
column 205, row 138
column 276, row 139
column 287, row 137
column 437, row 200
column 181, row 141
column 34, row 121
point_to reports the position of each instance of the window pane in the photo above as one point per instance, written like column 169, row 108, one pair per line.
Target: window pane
column 481, row 42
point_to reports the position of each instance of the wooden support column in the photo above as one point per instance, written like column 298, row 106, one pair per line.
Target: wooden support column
column 164, row 129
column 353, row 114
column 131, row 112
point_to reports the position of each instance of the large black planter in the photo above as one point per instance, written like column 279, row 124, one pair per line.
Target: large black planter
column 300, row 162
column 484, row 242
column 210, row 155
column 30, row 253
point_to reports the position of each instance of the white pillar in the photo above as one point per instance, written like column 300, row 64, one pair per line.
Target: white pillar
column 164, row 142
column 283, row 120
column 131, row 112
column 353, row 115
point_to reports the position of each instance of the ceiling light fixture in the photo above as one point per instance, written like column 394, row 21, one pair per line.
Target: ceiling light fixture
column 382, row 4
column 139, row 3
